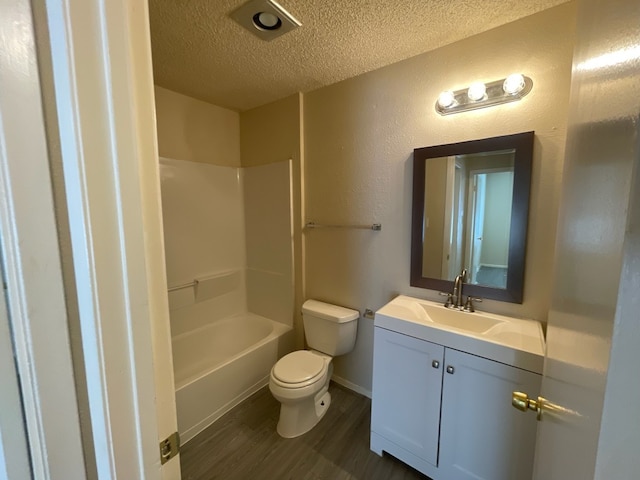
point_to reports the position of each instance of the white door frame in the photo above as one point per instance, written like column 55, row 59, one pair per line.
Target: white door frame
column 101, row 57
column 14, row 450
column 101, row 68
column 34, row 325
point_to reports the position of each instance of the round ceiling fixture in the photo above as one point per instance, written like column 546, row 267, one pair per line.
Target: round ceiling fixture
column 266, row 21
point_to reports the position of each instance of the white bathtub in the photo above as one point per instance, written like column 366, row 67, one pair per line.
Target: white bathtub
column 219, row 365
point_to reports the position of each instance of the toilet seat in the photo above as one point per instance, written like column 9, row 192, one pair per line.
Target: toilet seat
column 299, row 369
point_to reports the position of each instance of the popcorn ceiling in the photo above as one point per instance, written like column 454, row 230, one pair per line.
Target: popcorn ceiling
column 199, row 51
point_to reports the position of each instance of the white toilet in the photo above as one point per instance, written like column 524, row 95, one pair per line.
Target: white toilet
column 300, row 380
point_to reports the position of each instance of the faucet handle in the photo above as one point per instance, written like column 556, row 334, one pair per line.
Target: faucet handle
column 449, row 302
column 468, row 306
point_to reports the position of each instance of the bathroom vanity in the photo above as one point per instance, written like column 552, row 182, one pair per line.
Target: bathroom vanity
column 442, row 387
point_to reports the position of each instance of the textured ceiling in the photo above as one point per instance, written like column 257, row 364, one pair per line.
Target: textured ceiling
column 199, row 51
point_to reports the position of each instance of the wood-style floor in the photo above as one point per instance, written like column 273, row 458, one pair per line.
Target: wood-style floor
column 244, row 445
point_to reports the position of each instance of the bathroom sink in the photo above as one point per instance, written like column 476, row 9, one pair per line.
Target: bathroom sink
column 514, row 341
column 476, row 322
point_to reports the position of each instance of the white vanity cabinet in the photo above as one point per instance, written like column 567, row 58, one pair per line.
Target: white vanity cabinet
column 448, row 413
column 407, row 375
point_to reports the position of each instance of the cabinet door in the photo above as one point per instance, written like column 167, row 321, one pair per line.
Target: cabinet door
column 406, row 392
column 482, row 436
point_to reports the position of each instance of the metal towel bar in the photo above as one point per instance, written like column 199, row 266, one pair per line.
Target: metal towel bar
column 184, row 285
column 375, row 226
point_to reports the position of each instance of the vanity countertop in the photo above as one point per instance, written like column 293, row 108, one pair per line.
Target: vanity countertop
column 508, row 340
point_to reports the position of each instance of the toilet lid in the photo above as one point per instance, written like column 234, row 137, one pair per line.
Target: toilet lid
column 298, row 367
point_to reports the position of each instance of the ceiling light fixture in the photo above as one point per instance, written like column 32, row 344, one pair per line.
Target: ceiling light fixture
column 267, row 21
column 481, row 95
column 265, row 18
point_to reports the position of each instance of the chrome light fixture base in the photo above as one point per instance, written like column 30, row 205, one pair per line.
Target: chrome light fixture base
column 494, row 95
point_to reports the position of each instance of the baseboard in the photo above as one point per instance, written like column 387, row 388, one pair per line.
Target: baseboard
column 351, row 386
column 491, row 265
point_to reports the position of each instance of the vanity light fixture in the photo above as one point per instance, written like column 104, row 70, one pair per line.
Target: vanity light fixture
column 477, row 91
column 480, row 95
column 446, row 99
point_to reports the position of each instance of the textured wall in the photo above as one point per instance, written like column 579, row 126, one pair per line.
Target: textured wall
column 359, row 136
column 190, row 129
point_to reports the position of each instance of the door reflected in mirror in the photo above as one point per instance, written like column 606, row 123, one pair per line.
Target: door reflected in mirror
column 467, row 220
column 470, row 211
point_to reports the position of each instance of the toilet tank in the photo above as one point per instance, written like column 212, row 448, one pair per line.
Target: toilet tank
column 329, row 328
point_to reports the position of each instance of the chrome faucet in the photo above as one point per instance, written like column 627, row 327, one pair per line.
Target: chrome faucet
column 455, row 298
column 457, row 289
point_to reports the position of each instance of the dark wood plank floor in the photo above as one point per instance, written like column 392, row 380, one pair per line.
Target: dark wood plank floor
column 244, row 445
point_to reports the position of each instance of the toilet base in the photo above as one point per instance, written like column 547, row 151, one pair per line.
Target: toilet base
column 298, row 418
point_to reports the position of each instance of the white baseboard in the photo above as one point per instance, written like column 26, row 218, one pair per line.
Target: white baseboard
column 351, row 386
column 491, row 265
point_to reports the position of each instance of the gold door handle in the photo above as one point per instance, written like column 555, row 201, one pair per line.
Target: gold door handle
column 522, row 402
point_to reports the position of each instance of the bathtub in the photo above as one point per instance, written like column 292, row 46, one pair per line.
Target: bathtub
column 219, row 365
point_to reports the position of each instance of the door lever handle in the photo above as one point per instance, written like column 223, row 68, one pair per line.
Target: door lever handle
column 522, row 402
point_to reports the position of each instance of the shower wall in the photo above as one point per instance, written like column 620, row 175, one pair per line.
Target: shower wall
column 269, row 241
column 227, row 226
column 230, row 229
column 204, row 232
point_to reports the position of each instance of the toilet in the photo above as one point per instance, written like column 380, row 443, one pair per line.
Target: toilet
column 300, row 380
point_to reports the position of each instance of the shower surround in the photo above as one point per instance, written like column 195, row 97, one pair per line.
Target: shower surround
column 228, row 244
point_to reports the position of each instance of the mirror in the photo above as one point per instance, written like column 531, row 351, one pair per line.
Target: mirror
column 470, row 210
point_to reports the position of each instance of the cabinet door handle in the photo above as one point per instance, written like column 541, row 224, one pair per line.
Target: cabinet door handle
column 435, row 364
column 450, row 369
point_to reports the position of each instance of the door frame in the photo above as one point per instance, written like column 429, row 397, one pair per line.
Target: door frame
column 111, row 175
column 39, row 423
column 100, row 61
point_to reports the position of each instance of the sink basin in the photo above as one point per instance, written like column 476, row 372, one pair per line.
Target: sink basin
column 472, row 322
column 514, row 341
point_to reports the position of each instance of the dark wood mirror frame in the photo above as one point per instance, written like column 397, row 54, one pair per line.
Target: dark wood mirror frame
column 523, row 145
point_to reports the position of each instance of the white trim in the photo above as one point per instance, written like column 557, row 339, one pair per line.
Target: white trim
column 492, row 265
column 449, row 192
column 30, row 250
column 107, row 140
column 14, row 452
column 351, row 386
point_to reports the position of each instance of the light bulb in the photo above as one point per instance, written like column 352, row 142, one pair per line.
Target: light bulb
column 477, row 91
column 266, row 21
column 446, row 99
column 513, row 84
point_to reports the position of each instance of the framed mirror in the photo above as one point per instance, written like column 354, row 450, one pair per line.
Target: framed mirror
column 470, row 210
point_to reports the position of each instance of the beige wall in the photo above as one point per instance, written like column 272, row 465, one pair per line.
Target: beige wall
column 271, row 133
column 434, row 209
column 359, row 137
column 190, row 129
